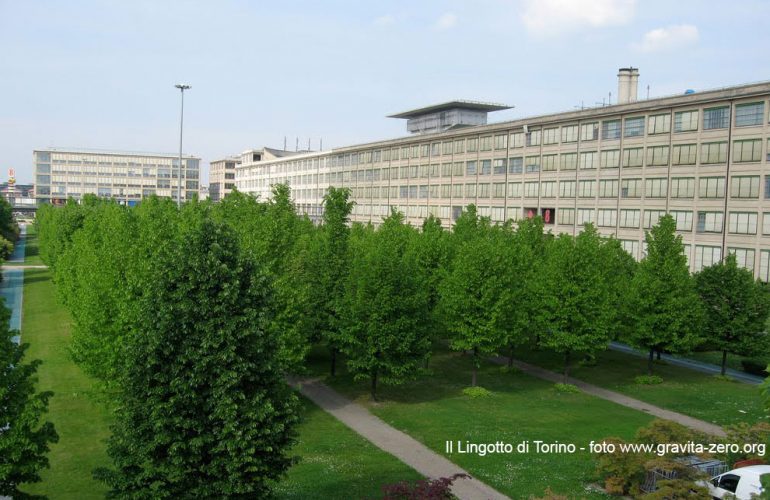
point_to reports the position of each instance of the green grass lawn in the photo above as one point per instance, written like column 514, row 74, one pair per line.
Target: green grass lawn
column 31, row 255
column 522, row 408
column 82, row 423
column 335, row 462
column 715, row 358
column 686, row 391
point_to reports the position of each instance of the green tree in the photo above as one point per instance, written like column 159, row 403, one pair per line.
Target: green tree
column 473, row 294
column 578, row 302
column 666, row 309
column 203, row 409
column 24, row 439
column 736, row 308
column 386, row 307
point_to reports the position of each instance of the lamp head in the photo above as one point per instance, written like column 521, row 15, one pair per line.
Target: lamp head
column 182, row 87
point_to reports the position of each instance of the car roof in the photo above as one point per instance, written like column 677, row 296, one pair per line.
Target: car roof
column 751, row 471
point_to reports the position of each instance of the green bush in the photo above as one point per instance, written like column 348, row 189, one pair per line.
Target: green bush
column 476, row 392
column 566, row 388
column 724, row 378
column 755, row 366
column 648, row 380
column 6, row 248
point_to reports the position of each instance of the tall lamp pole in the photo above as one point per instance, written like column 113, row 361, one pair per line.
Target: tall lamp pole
column 182, row 88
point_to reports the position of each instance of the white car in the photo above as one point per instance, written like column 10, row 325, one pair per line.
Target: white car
column 739, row 483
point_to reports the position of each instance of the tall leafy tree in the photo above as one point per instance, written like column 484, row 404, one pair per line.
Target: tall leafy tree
column 578, row 302
column 473, row 296
column 386, row 307
column 24, row 438
column 736, row 308
column 203, row 409
column 665, row 306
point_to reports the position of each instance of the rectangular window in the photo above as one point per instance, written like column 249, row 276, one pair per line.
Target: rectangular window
column 609, row 158
column 747, row 115
column 742, row 222
column 516, row 165
column 713, row 152
column 486, row 167
column 501, row 141
column 514, row 190
column 629, row 218
column 568, row 161
column 470, row 168
column 425, row 150
column 472, row 145
column 499, row 166
column 446, row 170
column 588, row 160
column 632, row 247
column 657, row 156
column 458, row 169
column 633, row 157
column 435, row 149
column 747, row 150
column 656, row 187
column 706, row 256
column 485, row 143
column 483, row 190
column 764, row 265
column 684, row 154
column 533, row 138
column 532, row 164
column 587, row 189
column 767, row 187
column 457, row 190
column 585, row 216
column 683, row 219
column 551, row 135
column 714, row 118
column 744, row 186
column 470, row 190
column 651, row 217
column 659, row 124
column 634, row 127
column 631, row 188
column 711, row 187
column 446, row 147
column 610, row 129
column 548, row 189
column 517, row 140
column 566, row 216
column 766, row 223
column 607, row 217
column 686, row 121
column 566, row 189
column 589, row 131
column 549, row 162
column 683, row 187
column 744, row 257
column 498, row 190
column 531, row 189
column 569, row 133
column 446, row 190
column 710, row 222
column 608, row 188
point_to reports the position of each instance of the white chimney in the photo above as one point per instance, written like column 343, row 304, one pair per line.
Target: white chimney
column 628, row 81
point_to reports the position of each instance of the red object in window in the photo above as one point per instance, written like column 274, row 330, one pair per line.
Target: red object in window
column 530, row 214
column 547, row 216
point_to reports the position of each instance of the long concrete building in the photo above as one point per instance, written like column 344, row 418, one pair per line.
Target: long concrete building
column 700, row 156
column 126, row 177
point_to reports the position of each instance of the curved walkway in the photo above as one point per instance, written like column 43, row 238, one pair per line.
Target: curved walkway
column 405, row 448
column 616, row 397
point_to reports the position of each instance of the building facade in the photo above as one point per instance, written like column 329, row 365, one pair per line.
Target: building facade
column 701, row 156
column 222, row 177
column 123, row 176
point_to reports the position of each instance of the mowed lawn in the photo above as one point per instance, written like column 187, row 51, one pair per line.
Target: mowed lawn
column 521, row 408
column 31, row 254
column 686, row 391
column 334, row 461
column 82, row 423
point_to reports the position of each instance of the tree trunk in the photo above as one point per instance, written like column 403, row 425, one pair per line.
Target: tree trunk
column 658, row 356
column 566, row 366
column 649, row 361
column 374, row 386
column 475, row 358
column 510, row 358
column 724, row 362
column 334, row 362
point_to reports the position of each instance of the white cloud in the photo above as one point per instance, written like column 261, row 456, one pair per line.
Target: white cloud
column 553, row 17
column 385, row 20
column 670, row 37
column 446, row 21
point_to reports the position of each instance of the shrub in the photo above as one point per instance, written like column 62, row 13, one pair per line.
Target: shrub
column 430, row 489
column 622, row 472
column 755, row 366
column 550, row 495
column 648, row 380
column 476, row 392
column 724, row 378
column 509, row 369
column 745, row 433
column 6, row 248
column 566, row 388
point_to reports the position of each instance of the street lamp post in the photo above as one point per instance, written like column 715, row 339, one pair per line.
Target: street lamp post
column 182, row 88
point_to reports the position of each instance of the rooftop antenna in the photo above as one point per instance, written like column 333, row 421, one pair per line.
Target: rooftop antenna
column 296, row 144
column 321, row 144
column 284, row 143
column 308, row 143
column 609, row 101
column 648, row 92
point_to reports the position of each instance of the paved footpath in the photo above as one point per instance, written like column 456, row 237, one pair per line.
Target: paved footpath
column 407, row 449
column 621, row 399
column 10, row 266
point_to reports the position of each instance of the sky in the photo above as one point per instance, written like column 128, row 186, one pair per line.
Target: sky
column 101, row 74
